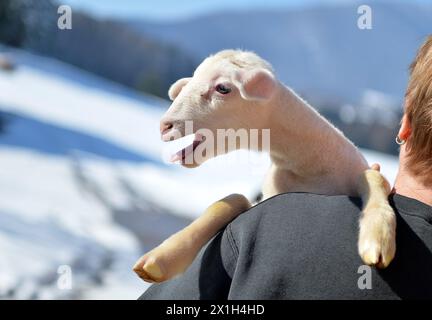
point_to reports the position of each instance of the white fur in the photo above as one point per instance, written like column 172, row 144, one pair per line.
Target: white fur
column 307, row 152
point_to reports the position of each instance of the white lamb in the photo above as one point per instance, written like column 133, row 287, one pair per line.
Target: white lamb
column 235, row 89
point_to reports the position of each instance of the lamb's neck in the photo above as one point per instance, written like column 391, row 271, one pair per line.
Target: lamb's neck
column 296, row 130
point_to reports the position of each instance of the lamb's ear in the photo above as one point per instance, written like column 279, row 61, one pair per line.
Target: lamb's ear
column 257, row 84
column 176, row 87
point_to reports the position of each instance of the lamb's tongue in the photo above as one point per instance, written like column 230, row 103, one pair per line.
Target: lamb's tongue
column 183, row 153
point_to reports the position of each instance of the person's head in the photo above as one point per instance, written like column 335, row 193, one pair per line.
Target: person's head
column 416, row 128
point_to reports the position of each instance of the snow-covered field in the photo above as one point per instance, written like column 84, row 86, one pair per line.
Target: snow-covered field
column 84, row 186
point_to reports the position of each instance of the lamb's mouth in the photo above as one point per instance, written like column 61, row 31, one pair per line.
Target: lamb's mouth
column 181, row 155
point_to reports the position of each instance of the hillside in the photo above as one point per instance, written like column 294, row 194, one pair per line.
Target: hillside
column 102, row 46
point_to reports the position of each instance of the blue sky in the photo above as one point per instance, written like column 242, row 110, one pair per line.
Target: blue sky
column 172, row 9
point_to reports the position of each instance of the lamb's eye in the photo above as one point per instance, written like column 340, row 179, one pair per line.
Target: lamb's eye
column 223, row 89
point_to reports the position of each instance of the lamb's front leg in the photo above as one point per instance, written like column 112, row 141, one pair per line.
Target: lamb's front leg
column 377, row 238
column 175, row 254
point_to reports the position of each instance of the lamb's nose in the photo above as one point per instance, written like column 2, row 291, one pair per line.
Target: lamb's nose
column 165, row 126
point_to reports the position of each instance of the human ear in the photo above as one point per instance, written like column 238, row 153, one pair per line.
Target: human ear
column 405, row 129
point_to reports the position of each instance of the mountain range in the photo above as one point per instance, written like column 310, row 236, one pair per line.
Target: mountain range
column 317, row 50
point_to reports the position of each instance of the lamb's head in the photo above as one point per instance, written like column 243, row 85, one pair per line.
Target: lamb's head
column 228, row 91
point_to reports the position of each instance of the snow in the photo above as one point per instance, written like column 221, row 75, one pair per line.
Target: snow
column 84, row 184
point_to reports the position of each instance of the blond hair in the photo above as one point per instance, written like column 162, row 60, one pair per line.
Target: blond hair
column 418, row 109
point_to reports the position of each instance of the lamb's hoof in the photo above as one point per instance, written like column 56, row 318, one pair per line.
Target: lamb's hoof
column 377, row 239
column 148, row 269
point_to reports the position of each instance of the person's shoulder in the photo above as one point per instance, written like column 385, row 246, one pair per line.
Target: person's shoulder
column 306, row 199
column 294, row 210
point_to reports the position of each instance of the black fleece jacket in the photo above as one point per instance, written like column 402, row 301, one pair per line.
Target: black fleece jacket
column 304, row 246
